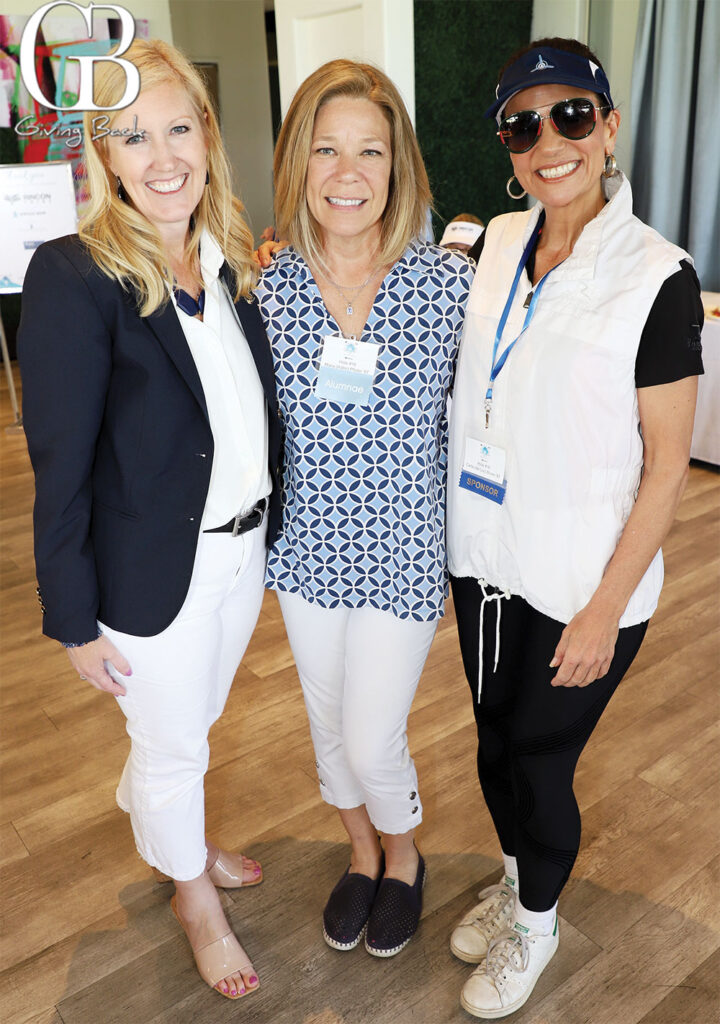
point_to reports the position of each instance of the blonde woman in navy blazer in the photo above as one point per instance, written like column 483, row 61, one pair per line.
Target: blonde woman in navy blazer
column 151, row 420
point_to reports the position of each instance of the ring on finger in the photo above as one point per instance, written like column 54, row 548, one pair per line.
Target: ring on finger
column 83, row 677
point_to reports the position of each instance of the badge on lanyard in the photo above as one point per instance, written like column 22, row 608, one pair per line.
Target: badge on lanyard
column 347, row 370
column 483, row 470
column 500, row 358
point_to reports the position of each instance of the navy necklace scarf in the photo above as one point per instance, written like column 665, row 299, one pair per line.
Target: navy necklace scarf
column 187, row 303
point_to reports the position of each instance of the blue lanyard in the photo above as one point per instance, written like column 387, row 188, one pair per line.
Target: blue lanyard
column 497, row 364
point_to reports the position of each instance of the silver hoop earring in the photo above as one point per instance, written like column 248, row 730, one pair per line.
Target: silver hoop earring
column 610, row 166
column 511, row 193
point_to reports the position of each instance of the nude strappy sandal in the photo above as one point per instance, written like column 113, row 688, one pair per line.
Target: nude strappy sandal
column 226, row 872
column 218, row 959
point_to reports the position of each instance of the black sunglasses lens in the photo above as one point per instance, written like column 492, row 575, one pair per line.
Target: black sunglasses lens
column 519, row 132
column 575, row 119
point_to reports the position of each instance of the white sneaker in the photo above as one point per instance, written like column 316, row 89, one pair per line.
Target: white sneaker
column 471, row 938
column 504, row 981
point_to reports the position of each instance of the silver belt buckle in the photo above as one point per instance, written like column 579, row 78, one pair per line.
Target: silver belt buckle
column 236, row 525
column 259, row 507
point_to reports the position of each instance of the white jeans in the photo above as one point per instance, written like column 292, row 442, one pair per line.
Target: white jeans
column 359, row 669
column 179, row 684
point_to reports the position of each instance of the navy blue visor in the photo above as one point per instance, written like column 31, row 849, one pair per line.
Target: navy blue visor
column 546, row 66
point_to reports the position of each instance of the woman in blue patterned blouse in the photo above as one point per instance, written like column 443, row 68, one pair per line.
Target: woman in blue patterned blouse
column 364, row 322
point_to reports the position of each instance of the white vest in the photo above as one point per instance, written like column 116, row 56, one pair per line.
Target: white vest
column 564, row 409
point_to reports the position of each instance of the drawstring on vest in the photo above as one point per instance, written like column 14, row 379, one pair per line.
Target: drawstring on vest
column 498, row 596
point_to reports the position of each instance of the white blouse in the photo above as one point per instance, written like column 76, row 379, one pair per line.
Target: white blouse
column 233, row 394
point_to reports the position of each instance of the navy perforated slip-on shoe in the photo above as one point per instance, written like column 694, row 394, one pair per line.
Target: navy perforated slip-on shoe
column 348, row 909
column 395, row 914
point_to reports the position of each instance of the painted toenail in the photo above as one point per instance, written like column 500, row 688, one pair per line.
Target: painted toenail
column 253, row 979
column 225, row 989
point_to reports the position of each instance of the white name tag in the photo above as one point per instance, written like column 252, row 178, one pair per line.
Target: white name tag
column 347, row 370
column 483, row 470
column 485, row 460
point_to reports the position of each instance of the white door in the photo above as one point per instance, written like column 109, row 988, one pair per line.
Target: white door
column 311, row 32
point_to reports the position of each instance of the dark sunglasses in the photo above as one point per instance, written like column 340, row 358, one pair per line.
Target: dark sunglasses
column 573, row 119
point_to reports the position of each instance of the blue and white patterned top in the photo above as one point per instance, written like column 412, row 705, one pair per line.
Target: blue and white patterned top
column 364, row 502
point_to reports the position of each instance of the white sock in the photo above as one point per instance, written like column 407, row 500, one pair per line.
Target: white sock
column 537, row 922
column 511, row 872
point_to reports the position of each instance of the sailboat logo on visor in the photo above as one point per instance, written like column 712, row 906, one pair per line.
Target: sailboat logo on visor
column 542, row 65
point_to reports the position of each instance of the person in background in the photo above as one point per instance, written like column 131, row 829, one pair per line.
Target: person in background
column 364, row 321
column 151, row 420
column 570, row 439
column 462, row 232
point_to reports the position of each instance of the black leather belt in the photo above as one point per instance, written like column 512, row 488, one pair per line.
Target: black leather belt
column 243, row 523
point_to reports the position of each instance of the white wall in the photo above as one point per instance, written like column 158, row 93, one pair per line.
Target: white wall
column 232, row 35
column 311, row 32
column 613, row 27
column 157, row 12
column 567, row 18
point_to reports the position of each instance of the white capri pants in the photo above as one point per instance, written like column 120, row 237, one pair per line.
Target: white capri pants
column 359, row 669
column 179, row 684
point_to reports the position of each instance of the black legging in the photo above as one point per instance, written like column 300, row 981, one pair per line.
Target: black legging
column 531, row 734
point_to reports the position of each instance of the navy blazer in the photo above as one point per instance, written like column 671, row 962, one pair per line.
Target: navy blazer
column 119, row 437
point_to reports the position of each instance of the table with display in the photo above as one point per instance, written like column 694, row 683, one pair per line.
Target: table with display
column 706, row 435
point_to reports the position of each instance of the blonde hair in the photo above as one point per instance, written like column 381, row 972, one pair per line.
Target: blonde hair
column 409, row 196
column 123, row 242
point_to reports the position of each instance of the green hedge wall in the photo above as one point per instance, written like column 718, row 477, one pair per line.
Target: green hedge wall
column 459, row 47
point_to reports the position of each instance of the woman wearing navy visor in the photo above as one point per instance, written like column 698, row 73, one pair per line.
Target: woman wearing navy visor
column 570, row 439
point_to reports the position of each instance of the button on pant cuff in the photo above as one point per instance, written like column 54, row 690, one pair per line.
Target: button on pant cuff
column 395, row 821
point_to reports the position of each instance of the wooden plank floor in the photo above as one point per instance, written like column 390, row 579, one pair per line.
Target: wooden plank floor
column 88, row 938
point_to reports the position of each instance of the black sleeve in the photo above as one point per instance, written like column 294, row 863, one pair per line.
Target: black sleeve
column 477, row 248
column 64, row 351
column 670, row 347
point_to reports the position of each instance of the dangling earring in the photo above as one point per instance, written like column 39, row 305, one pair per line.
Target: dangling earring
column 610, row 166
column 207, row 177
column 121, row 193
column 512, row 194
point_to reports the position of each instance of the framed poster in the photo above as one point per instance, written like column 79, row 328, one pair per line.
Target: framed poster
column 37, row 203
column 210, row 76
